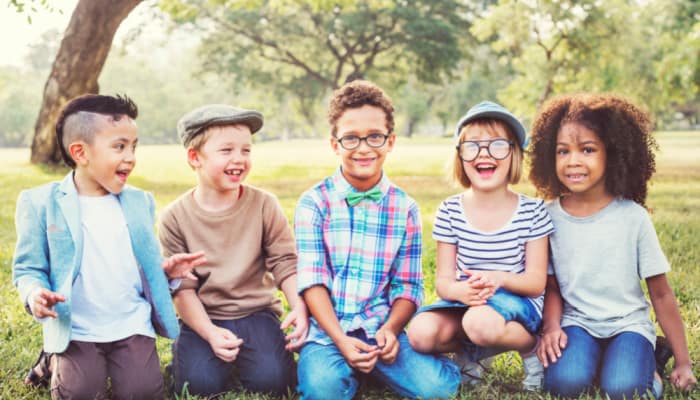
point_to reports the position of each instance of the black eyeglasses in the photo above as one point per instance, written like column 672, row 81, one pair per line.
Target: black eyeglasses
column 498, row 149
column 351, row 142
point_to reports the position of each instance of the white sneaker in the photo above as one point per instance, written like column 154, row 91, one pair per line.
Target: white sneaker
column 534, row 373
column 472, row 371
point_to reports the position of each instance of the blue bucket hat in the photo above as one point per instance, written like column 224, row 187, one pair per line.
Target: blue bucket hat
column 489, row 109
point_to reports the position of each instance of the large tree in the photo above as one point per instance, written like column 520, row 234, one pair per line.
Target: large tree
column 305, row 48
column 81, row 56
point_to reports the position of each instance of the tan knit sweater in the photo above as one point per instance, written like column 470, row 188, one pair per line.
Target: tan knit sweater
column 249, row 249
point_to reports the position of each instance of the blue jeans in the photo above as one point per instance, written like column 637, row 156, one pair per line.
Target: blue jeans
column 324, row 373
column 511, row 307
column 621, row 366
column 262, row 365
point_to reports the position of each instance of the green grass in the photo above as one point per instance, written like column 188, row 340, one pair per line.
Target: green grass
column 418, row 166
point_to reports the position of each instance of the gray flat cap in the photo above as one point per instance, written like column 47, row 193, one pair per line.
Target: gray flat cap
column 198, row 120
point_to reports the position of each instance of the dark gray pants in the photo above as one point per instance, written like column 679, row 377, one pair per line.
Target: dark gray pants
column 132, row 364
column 262, row 365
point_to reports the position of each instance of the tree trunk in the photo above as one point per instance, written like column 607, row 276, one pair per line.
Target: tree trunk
column 84, row 49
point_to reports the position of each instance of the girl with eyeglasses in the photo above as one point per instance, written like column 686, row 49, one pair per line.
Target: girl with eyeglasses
column 491, row 253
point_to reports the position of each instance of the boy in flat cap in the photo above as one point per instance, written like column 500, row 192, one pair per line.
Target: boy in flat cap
column 230, row 315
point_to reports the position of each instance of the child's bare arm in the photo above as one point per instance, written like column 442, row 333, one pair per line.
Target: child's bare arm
column 666, row 309
column 224, row 343
column 553, row 337
column 530, row 283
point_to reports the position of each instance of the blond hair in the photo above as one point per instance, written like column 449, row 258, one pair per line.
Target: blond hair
column 494, row 128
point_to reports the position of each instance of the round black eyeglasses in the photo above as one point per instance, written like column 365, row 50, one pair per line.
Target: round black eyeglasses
column 351, row 142
column 498, row 149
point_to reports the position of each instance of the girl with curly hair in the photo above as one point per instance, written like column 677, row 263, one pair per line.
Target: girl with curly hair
column 593, row 155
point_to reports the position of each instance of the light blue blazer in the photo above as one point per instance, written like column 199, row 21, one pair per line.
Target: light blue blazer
column 50, row 247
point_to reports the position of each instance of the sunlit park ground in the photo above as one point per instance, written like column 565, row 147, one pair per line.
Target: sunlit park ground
column 417, row 165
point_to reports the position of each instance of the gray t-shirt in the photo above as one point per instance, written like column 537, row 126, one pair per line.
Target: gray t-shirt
column 599, row 262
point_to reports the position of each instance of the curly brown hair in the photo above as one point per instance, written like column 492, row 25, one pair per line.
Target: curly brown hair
column 356, row 94
column 624, row 129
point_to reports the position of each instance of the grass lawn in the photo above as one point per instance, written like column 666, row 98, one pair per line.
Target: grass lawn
column 418, row 166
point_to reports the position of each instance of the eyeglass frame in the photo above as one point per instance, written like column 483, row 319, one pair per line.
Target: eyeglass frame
column 362, row 138
column 487, row 147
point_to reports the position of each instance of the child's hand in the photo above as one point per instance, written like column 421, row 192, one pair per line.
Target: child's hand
column 553, row 341
column 475, row 294
column 298, row 317
column 181, row 265
column 682, row 377
column 386, row 341
column 485, row 279
column 41, row 302
column 224, row 343
column 358, row 354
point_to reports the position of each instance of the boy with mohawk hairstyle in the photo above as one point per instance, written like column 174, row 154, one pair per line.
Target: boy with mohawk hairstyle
column 87, row 263
column 359, row 244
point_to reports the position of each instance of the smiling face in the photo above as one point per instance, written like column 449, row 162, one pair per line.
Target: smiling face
column 362, row 166
column 223, row 161
column 104, row 165
column 580, row 160
column 484, row 172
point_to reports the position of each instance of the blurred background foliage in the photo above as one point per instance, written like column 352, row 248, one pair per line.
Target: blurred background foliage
column 435, row 58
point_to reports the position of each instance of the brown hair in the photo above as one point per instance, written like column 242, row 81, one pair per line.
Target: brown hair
column 355, row 95
column 492, row 126
column 624, row 129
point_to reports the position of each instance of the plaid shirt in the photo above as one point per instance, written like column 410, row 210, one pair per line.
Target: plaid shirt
column 367, row 256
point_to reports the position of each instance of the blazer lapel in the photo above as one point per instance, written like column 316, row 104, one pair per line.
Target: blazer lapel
column 70, row 208
column 136, row 220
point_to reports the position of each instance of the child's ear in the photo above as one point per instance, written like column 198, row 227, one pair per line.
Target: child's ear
column 193, row 158
column 79, row 152
column 335, row 145
column 390, row 142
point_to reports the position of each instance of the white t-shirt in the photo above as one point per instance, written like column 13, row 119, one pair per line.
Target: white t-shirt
column 599, row 262
column 108, row 303
column 501, row 250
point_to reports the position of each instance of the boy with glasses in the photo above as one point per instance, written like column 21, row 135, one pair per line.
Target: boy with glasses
column 359, row 270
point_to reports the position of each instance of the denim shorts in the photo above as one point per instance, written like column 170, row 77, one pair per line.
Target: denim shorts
column 511, row 307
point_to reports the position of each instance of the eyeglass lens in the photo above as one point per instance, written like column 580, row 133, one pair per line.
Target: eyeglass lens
column 373, row 140
column 498, row 149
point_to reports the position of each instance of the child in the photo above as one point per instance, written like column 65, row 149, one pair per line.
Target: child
column 230, row 316
column 491, row 251
column 87, row 263
column 593, row 155
column 359, row 245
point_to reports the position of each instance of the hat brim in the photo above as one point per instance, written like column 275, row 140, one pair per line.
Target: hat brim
column 515, row 125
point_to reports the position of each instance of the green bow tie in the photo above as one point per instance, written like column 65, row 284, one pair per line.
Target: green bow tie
column 372, row 194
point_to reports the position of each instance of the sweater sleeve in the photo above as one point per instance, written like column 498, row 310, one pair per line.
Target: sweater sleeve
column 278, row 242
column 172, row 240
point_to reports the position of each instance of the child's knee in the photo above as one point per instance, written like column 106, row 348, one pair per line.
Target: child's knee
column 422, row 337
column 483, row 331
column 565, row 381
column 275, row 378
column 327, row 383
column 624, row 387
